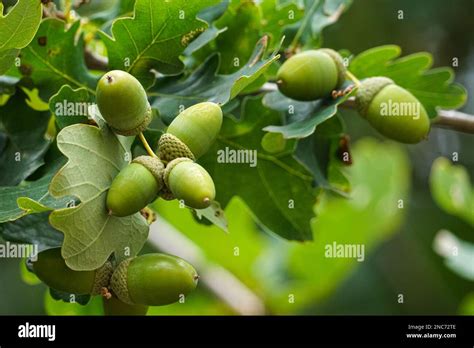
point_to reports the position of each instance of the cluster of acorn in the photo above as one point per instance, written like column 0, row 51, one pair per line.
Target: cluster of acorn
column 172, row 173
column 152, row 279
column 315, row 74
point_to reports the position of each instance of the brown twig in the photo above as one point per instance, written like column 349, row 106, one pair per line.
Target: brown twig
column 449, row 119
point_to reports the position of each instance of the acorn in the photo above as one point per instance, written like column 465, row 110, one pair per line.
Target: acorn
column 311, row 75
column 136, row 186
column 392, row 110
column 190, row 182
column 191, row 133
column 51, row 269
column 113, row 306
column 123, row 103
column 153, row 279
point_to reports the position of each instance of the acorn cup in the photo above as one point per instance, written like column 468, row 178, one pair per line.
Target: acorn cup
column 136, row 186
column 311, row 75
column 123, row 103
column 51, row 269
column 191, row 133
column 392, row 110
column 153, row 279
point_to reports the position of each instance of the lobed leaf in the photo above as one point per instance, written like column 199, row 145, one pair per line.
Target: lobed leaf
column 91, row 235
column 155, row 37
column 56, row 58
column 204, row 84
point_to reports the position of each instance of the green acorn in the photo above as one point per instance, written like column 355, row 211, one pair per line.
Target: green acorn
column 190, row 182
column 311, row 75
column 123, row 103
column 392, row 110
column 191, row 133
column 51, row 269
column 113, row 306
column 136, row 186
column 153, row 279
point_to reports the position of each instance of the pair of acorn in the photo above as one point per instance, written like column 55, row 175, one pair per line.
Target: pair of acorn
column 139, row 282
column 314, row 74
column 123, row 103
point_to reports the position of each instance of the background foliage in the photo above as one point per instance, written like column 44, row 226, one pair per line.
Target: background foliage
column 237, row 47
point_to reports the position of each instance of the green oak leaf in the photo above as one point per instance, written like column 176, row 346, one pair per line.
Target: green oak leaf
column 19, row 26
column 17, row 29
column 302, row 118
column 209, row 15
column 452, row 190
column 56, row 58
column 26, row 143
column 91, row 235
column 318, row 14
column 278, row 190
column 277, row 16
column 31, row 197
column 433, row 87
column 71, row 106
column 243, row 21
column 204, row 84
column 318, row 153
column 462, row 261
column 32, row 229
column 155, row 37
column 7, row 58
column 215, row 214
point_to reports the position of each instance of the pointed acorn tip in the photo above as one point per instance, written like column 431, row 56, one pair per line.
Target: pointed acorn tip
column 109, row 78
column 109, row 212
column 206, row 200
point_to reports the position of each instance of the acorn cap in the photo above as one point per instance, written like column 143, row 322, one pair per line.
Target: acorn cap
column 118, row 282
column 140, row 128
column 154, row 165
column 102, row 278
column 341, row 68
column 170, row 167
column 170, row 147
column 367, row 90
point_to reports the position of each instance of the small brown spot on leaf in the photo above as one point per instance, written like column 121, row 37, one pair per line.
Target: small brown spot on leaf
column 25, row 69
column 42, row 40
